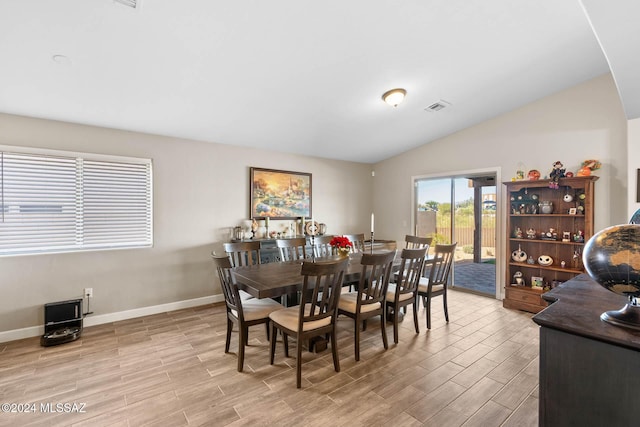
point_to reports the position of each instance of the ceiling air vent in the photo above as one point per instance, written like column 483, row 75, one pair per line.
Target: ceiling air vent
column 437, row 106
column 131, row 3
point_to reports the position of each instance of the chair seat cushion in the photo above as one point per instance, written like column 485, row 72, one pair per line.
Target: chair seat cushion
column 423, row 286
column 391, row 294
column 255, row 309
column 289, row 319
column 349, row 301
column 244, row 295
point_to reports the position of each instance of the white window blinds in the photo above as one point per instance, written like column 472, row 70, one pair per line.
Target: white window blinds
column 52, row 203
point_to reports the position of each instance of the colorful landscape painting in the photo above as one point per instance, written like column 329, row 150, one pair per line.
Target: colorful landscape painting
column 280, row 194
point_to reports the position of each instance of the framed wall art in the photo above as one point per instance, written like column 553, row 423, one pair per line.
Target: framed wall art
column 279, row 194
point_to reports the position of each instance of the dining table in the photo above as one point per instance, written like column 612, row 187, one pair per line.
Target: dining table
column 280, row 279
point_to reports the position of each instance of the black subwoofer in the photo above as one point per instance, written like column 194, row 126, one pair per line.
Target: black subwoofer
column 62, row 322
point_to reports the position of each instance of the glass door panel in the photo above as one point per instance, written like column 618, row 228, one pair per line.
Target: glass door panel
column 462, row 210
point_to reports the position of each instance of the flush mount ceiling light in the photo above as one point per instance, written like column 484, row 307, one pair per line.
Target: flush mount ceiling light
column 394, row 97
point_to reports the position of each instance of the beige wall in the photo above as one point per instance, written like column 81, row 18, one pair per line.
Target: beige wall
column 586, row 121
column 200, row 192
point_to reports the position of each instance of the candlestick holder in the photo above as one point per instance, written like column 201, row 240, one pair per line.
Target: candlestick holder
column 313, row 247
column 372, row 242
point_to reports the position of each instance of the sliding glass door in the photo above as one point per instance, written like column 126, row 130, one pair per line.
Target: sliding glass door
column 461, row 209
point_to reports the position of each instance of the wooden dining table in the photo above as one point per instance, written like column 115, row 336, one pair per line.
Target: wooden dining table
column 278, row 279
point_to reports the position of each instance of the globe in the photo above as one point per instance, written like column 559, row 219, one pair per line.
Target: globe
column 612, row 259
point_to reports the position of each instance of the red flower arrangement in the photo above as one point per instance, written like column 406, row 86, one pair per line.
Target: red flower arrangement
column 340, row 242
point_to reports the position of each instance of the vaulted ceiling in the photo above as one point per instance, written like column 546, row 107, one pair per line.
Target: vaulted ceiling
column 293, row 76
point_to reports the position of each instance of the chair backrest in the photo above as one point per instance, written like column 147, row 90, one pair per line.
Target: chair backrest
column 321, row 246
column 358, row 242
column 229, row 288
column 243, row 253
column 410, row 270
column 292, row 249
column 374, row 279
column 441, row 265
column 416, row 242
column 320, row 290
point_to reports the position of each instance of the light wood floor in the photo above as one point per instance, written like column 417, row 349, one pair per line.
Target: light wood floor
column 170, row 369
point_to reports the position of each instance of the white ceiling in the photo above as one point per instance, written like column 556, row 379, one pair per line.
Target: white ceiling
column 289, row 75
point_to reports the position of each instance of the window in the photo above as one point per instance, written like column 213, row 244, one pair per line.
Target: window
column 61, row 202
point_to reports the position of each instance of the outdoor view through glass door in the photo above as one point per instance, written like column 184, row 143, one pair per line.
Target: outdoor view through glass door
column 462, row 210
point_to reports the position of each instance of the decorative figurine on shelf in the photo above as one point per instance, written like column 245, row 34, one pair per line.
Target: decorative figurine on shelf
column 549, row 235
column 566, row 236
column 517, row 233
column 545, row 260
column 576, row 261
column 518, row 280
column 588, row 166
column 563, row 264
column 556, row 173
column 533, row 175
column 569, row 174
column 519, row 255
column 579, row 236
column 530, row 260
column 531, row 233
column 254, row 228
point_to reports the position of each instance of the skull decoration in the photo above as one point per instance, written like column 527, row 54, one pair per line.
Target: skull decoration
column 519, row 255
column 545, row 260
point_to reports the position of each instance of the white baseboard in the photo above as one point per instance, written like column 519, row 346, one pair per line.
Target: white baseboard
column 91, row 320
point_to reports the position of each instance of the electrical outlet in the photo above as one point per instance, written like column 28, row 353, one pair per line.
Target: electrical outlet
column 88, row 292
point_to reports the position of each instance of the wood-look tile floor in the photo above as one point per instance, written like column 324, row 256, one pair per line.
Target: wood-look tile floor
column 480, row 369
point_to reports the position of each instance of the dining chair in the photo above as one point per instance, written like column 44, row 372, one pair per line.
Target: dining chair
column 358, row 242
column 417, row 242
column 243, row 253
column 436, row 284
column 369, row 299
column 315, row 315
column 292, row 249
column 243, row 313
column 243, row 295
column 322, row 246
column 405, row 290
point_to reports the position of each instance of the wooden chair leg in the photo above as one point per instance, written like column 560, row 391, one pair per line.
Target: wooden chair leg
column 246, row 336
column 274, row 336
column 285, row 339
column 267, row 328
column 396, row 320
column 446, row 311
column 415, row 315
column 383, row 327
column 334, row 351
column 356, row 344
column 229, row 329
column 428, row 313
column 241, row 342
column 299, row 363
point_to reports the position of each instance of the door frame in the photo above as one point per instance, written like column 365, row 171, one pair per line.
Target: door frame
column 500, row 214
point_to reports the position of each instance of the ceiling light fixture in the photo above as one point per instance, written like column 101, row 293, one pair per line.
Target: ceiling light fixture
column 394, row 97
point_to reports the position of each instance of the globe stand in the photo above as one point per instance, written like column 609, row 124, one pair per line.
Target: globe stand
column 628, row 316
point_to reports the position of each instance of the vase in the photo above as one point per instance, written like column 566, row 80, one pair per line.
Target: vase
column 343, row 252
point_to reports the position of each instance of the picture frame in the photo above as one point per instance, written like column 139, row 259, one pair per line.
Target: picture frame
column 279, row 194
column 537, row 282
column 573, row 211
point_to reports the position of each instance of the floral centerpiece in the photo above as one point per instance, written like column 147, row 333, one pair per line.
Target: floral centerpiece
column 341, row 245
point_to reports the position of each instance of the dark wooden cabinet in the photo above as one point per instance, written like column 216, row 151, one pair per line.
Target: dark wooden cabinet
column 588, row 367
column 550, row 223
